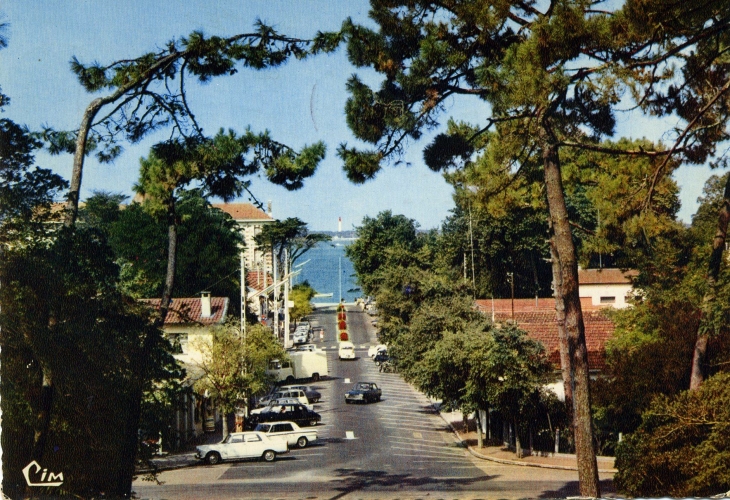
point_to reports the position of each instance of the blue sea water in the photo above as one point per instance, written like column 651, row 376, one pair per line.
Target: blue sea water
column 321, row 272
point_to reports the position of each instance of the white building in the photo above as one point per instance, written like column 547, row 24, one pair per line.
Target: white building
column 606, row 287
column 250, row 220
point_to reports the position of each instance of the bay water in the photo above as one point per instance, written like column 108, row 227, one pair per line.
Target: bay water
column 328, row 270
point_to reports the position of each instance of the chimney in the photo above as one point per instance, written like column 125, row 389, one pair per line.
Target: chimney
column 205, row 311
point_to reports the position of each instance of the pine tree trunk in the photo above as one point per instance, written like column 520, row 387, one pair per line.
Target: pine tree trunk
column 129, row 455
column 574, row 327
column 45, row 404
column 72, row 205
column 560, row 321
column 518, row 444
column 713, row 271
column 43, row 417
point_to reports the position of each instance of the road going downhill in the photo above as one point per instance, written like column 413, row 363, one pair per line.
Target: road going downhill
column 396, row 448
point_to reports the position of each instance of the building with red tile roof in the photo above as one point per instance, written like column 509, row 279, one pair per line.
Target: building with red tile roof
column 606, row 287
column 250, row 220
column 538, row 320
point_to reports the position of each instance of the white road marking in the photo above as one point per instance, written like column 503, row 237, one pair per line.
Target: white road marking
column 349, row 435
column 442, row 451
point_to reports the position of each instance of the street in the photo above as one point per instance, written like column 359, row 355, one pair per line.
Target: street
column 398, row 447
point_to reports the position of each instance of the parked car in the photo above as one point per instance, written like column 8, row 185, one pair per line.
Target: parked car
column 304, row 347
column 312, row 395
column 291, row 393
column 373, row 350
column 346, row 350
column 240, row 445
column 363, row 392
column 294, row 435
column 276, row 404
column 297, row 413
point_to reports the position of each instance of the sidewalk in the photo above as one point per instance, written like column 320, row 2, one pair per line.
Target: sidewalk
column 503, row 455
column 179, row 459
column 186, row 458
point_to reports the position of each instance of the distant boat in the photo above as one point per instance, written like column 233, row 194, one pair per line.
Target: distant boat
column 353, row 290
column 322, row 295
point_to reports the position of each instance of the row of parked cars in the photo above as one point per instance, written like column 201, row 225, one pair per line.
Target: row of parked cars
column 285, row 420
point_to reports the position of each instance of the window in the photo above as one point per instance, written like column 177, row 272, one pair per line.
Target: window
column 608, row 300
column 236, row 439
column 179, row 342
column 252, row 438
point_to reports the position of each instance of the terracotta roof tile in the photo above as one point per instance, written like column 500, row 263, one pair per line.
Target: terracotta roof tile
column 526, row 305
column 258, row 280
column 184, row 311
column 541, row 326
column 243, row 211
column 605, row 276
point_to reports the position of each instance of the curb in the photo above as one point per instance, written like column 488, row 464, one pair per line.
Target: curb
column 507, row 461
column 163, row 468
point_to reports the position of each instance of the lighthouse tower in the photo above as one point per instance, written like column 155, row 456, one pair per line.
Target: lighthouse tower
column 339, row 224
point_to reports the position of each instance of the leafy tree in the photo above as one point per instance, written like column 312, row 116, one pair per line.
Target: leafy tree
column 234, row 368
column 207, row 251
column 374, row 237
column 81, row 345
column 26, row 191
column 542, row 73
column 651, row 352
column 149, row 92
column 290, row 237
column 552, row 76
column 301, row 294
column 681, row 448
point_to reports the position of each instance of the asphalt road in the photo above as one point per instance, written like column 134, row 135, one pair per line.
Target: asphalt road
column 397, row 448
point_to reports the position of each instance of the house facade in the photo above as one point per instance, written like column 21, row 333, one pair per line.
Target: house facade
column 606, row 287
column 188, row 324
column 250, row 221
column 537, row 318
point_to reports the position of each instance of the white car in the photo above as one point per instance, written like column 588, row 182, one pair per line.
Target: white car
column 242, row 445
column 376, row 349
column 294, row 435
column 346, row 350
column 276, row 404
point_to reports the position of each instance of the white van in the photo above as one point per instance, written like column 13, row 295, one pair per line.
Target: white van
column 346, row 350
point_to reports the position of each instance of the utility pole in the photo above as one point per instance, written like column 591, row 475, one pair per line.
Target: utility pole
column 276, row 294
column 471, row 240
column 287, row 273
column 243, row 298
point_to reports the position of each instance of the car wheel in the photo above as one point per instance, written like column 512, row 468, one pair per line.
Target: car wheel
column 212, row 458
column 269, row 455
column 377, row 398
column 290, row 380
column 347, row 401
column 302, row 442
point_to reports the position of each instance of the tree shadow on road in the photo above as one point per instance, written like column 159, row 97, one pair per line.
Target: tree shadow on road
column 571, row 489
column 353, row 480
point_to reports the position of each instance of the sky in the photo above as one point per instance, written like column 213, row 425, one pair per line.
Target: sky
column 299, row 103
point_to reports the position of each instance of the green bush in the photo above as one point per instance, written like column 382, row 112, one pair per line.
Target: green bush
column 681, row 447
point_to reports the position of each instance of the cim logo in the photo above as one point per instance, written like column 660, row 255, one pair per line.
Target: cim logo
column 46, row 478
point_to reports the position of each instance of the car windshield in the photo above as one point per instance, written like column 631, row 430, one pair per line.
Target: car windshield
column 263, row 427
